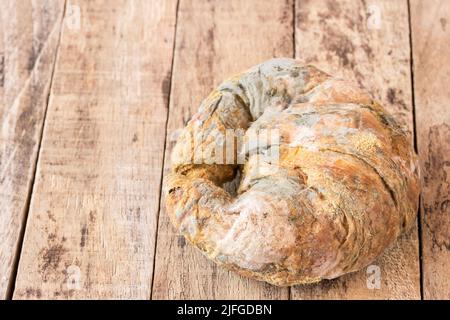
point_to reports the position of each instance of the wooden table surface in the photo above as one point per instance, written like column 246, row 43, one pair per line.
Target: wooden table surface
column 94, row 90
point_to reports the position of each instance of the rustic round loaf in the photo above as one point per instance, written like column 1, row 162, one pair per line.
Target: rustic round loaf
column 334, row 182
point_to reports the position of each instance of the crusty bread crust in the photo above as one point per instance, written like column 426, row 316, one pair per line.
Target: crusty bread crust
column 344, row 188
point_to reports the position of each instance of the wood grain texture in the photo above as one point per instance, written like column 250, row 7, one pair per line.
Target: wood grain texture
column 215, row 40
column 368, row 42
column 430, row 23
column 29, row 35
column 92, row 220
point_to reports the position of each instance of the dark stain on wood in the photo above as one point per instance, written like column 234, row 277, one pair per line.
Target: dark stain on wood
column 31, row 61
column 134, row 213
column 390, row 95
column 392, row 98
column 443, row 22
column 33, row 293
column 51, row 216
column 50, row 259
column 436, row 193
column 285, row 17
column 84, row 235
column 435, row 232
column 88, row 281
column 334, row 9
column 210, row 35
column 165, row 87
column 51, row 236
column 340, row 45
column 368, row 50
column 138, row 213
column 92, row 217
column 181, row 242
column 135, row 138
column 210, row 47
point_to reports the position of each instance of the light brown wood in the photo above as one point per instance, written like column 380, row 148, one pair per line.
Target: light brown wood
column 215, row 40
column 430, row 22
column 29, row 33
column 92, row 220
column 368, row 42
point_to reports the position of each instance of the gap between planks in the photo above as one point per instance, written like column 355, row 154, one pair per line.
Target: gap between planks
column 165, row 145
column 414, row 121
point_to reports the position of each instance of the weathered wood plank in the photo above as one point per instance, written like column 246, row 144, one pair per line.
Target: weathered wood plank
column 232, row 36
column 367, row 41
column 92, row 220
column 430, row 23
column 29, row 35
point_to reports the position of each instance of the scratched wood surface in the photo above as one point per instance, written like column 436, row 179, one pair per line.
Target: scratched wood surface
column 29, row 33
column 92, row 221
column 93, row 93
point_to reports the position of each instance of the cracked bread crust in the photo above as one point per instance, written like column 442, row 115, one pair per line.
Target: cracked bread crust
column 344, row 188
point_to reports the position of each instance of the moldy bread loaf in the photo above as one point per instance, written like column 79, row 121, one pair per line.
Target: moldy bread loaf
column 344, row 184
